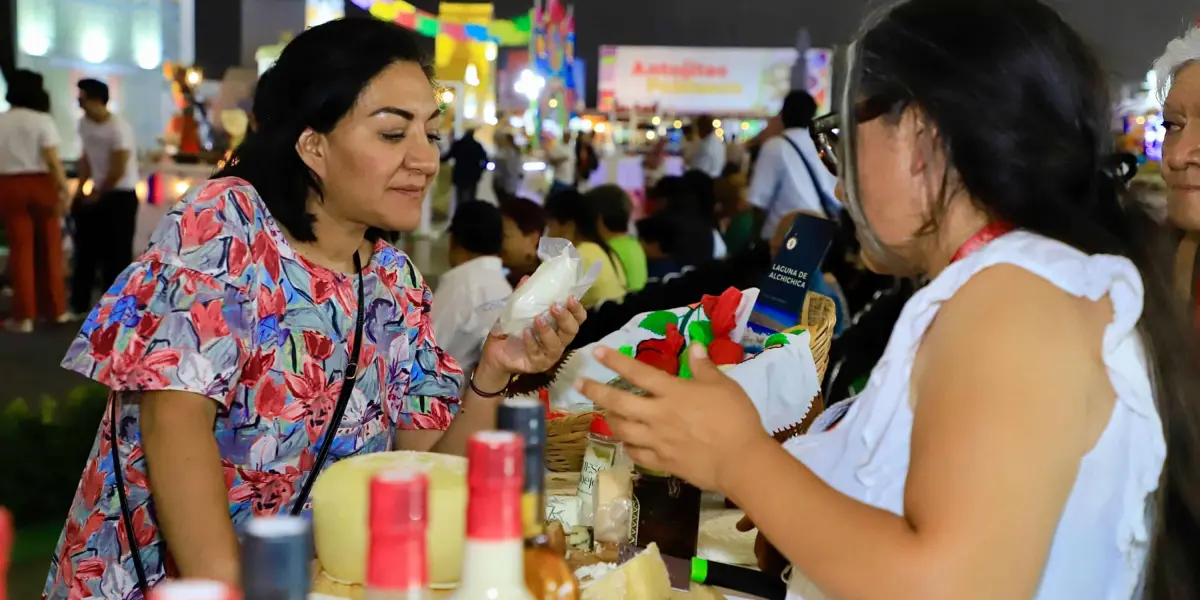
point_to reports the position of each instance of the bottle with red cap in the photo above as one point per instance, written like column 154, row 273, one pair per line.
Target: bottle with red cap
column 493, row 559
column 194, row 589
column 398, row 517
column 601, row 453
column 6, row 544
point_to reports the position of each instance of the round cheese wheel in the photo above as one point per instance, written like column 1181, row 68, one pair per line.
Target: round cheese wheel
column 339, row 501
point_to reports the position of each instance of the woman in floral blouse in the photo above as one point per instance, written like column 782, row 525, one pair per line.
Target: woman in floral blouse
column 227, row 343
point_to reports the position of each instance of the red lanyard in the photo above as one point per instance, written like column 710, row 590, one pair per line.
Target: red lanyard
column 981, row 238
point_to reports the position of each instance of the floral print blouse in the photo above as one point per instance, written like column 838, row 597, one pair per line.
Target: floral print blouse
column 220, row 305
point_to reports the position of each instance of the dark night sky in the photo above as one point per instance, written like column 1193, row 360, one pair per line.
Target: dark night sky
column 1128, row 33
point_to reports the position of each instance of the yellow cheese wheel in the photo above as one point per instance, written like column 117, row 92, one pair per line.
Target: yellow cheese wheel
column 340, row 499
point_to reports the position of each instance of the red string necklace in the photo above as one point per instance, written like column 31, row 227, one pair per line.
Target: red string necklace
column 983, row 237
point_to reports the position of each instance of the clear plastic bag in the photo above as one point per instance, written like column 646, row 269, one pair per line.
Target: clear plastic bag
column 561, row 275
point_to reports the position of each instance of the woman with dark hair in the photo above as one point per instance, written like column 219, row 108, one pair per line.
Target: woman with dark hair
column 269, row 330
column 704, row 190
column 1031, row 430
column 34, row 196
column 675, row 200
column 572, row 217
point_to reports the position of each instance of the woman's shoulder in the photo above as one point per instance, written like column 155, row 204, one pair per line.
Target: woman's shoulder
column 395, row 265
column 219, row 228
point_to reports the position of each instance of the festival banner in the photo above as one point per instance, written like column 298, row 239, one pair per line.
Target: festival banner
column 685, row 80
column 511, row 32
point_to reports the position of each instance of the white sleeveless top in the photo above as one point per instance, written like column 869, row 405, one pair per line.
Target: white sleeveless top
column 1100, row 547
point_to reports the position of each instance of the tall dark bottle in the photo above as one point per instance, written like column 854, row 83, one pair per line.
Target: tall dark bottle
column 276, row 558
column 547, row 574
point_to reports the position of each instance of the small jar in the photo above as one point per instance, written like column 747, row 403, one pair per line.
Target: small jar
column 666, row 511
column 602, row 452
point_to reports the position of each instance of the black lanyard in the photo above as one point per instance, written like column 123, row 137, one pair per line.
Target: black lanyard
column 350, row 377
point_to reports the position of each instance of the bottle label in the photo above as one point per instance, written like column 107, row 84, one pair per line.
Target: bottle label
column 597, row 458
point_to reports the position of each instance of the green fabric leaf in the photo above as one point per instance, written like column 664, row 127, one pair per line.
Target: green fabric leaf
column 685, row 369
column 778, row 339
column 627, row 350
column 656, row 322
column 700, row 332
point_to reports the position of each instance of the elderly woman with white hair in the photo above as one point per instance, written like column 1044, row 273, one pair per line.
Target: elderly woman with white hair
column 1178, row 71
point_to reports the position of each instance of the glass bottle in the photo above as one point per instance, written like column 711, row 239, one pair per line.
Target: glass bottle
column 666, row 511
column 547, row 574
column 276, row 558
column 494, row 555
column 601, row 454
column 397, row 553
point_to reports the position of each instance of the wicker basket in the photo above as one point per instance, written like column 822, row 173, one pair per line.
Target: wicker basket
column 819, row 318
column 566, row 437
column 566, row 441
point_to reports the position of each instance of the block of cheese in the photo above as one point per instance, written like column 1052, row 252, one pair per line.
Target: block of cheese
column 340, row 498
column 564, row 509
column 642, row 578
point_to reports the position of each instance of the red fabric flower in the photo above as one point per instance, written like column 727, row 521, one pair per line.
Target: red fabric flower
column 722, row 316
column 662, row 353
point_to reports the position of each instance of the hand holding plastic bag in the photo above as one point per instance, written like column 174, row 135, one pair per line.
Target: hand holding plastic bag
column 561, row 275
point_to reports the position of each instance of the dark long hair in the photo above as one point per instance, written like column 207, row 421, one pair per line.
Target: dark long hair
column 25, row 91
column 570, row 206
column 1021, row 106
column 314, row 84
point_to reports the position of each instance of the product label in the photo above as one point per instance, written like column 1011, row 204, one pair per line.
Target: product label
column 782, row 292
column 597, row 458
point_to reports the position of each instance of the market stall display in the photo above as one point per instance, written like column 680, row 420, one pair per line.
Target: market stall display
column 580, row 530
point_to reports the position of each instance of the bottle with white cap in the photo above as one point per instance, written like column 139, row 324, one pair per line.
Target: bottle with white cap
column 398, row 523
column 194, row 589
column 493, row 559
column 276, row 558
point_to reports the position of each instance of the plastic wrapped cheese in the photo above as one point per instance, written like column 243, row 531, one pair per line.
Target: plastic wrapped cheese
column 561, row 275
column 339, row 501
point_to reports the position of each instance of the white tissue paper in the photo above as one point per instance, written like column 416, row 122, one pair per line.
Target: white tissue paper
column 563, row 395
column 561, row 275
column 781, row 381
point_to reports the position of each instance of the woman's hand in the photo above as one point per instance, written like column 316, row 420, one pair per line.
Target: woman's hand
column 541, row 346
column 770, row 561
column 696, row 429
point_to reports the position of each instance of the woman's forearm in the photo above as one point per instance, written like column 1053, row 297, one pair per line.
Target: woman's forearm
column 475, row 412
column 188, row 484
column 828, row 536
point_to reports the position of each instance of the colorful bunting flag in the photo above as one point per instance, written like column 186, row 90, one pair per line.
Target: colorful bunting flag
column 512, row 32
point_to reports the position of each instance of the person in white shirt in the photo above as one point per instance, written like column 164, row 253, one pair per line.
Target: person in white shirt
column 789, row 175
column 105, row 217
column 709, row 155
column 510, row 166
column 33, row 199
column 561, row 157
column 476, row 278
